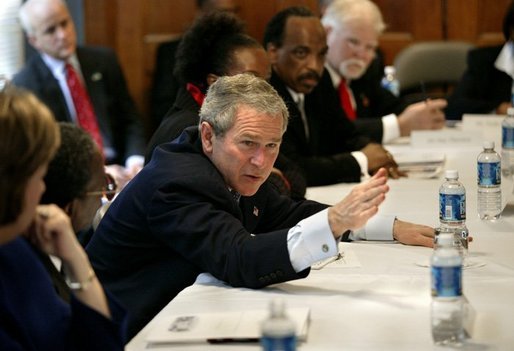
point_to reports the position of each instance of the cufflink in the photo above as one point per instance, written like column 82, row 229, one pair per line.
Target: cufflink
column 324, row 248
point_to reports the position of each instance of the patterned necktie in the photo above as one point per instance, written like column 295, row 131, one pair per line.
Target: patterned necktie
column 346, row 102
column 85, row 113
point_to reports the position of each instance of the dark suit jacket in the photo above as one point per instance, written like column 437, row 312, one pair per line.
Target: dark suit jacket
column 325, row 157
column 177, row 219
column 482, row 87
column 373, row 102
column 116, row 112
column 165, row 85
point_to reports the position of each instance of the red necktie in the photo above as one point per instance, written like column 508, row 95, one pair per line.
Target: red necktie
column 346, row 102
column 85, row 113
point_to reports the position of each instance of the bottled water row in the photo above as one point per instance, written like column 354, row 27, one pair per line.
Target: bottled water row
column 450, row 247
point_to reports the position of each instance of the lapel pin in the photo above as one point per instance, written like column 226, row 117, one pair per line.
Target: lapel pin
column 96, row 76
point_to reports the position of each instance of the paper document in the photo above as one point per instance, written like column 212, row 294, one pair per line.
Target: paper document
column 221, row 327
column 420, row 165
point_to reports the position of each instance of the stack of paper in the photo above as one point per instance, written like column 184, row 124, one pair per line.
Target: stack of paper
column 420, row 165
column 221, row 327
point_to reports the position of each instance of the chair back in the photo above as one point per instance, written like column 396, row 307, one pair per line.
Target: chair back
column 431, row 67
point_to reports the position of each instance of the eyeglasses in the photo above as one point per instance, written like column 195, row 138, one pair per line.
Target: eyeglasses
column 108, row 191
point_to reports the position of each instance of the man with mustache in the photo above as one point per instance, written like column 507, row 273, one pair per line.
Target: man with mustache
column 353, row 28
column 319, row 137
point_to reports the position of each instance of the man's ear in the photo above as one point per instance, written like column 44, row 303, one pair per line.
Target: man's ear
column 272, row 51
column 211, row 78
column 32, row 41
column 328, row 29
column 207, row 136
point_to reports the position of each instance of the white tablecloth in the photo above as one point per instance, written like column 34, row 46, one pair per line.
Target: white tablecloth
column 383, row 304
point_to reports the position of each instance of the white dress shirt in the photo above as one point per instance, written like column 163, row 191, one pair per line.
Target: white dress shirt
column 311, row 240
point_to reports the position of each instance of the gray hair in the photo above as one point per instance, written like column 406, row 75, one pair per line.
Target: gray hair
column 228, row 93
column 27, row 10
column 340, row 12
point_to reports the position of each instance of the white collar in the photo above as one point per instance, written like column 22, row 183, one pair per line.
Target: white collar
column 57, row 66
column 334, row 75
column 505, row 60
column 296, row 96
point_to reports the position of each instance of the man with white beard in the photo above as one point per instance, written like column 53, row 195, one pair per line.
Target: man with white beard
column 353, row 28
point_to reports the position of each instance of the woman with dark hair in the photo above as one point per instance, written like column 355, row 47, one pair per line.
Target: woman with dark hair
column 33, row 317
column 214, row 46
column 487, row 84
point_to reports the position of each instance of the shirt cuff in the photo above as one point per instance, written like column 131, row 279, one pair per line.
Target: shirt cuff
column 135, row 161
column 391, row 128
column 379, row 227
column 310, row 241
column 362, row 160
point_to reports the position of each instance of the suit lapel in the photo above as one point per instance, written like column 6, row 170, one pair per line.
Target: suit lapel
column 51, row 92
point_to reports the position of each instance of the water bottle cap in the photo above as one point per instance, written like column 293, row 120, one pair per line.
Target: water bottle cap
column 488, row 144
column 389, row 70
column 451, row 174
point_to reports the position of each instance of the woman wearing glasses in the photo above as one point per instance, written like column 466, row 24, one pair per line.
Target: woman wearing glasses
column 33, row 317
column 76, row 180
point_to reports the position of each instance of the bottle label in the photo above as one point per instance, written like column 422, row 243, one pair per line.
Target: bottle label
column 489, row 173
column 392, row 85
column 452, row 207
column 447, row 281
column 507, row 138
column 287, row 343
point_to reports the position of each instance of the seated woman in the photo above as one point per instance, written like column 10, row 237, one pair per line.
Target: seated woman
column 76, row 180
column 33, row 315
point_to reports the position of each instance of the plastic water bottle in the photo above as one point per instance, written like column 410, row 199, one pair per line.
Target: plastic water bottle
column 508, row 143
column 460, row 239
column 278, row 331
column 390, row 82
column 452, row 201
column 447, row 307
column 489, row 183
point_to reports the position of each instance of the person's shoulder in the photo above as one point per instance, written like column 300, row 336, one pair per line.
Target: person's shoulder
column 484, row 54
column 30, row 72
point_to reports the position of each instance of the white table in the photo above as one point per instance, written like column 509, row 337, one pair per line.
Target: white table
column 384, row 303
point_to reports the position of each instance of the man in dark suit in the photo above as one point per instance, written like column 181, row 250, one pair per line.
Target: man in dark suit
column 165, row 85
column 320, row 139
column 353, row 29
column 487, row 85
column 202, row 204
column 50, row 30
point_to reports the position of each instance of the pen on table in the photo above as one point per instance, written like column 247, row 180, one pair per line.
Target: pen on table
column 232, row 340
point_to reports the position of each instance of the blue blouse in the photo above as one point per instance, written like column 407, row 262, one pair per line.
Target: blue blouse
column 34, row 317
